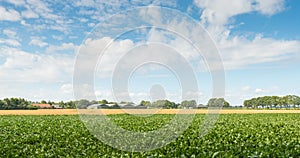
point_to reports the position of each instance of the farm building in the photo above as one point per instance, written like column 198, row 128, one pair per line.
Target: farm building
column 101, row 106
column 42, row 106
column 116, row 106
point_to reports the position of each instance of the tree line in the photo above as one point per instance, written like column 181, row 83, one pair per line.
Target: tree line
column 165, row 104
column 21, row 103
column 15, row 103
column 288, row 101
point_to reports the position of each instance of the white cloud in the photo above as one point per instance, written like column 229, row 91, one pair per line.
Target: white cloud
column 21, row 66
column 38, row 42
column 259, row 90
column 83, row 20
column 218, row 14
column 267, row 91
column 85, row 12
column 50, row 19
column 58, row 37
column 23, row 22
column 246, row 88
column 9, row 33
column 86, row 3
column 92, row 48
column 12, row 38
column 91, row 24
column 35, row 76
column 269, row 7
column 63, row 47
column 9, row 14
column 67, row 88
column 29, row 13
column 40, row 7
column 240, row 52
column 10, row 42
column 17, row 2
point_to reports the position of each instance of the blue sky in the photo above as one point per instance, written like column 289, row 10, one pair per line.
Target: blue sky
column 258, row 41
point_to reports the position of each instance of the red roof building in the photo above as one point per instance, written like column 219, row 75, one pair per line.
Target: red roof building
column 43, row 106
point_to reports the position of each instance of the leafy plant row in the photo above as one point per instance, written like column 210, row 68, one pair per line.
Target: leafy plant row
column 253, row 135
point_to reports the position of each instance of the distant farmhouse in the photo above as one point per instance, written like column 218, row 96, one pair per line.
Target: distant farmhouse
column 42, row 106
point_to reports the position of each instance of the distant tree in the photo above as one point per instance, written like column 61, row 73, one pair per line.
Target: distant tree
column 284, row 100
column 271, row 101
column 145, row 103
column 70, row 105
column 13, row 103
column 226, row 104
column 218, row 102
column 297, row 101
column 50, row 102
column 1, row 104
column 103, row 101
column 275, row 100
column 82, row 104
column 166, row 104
column 111, row 102
column 292, row 100
column 43, row 102
column 61, row 104
column 189, row 103
column 94, row 102
column 247, row 103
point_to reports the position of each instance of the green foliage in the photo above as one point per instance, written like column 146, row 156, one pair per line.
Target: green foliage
column 166, row 104
column 14, row 103
column 145, row 103
column 289, row 101
column 273, row 101
column 252, row 135
column 43, row 102
column 189, row 103
column 218, row 102
column 82, row 104
column 103, row 101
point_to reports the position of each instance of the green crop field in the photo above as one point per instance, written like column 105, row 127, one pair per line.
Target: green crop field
column 234, row 135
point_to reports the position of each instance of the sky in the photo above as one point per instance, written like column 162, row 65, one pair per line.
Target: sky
column 258, row 42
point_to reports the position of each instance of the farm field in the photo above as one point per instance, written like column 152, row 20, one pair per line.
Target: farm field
column 237, row 135
column 137, row 111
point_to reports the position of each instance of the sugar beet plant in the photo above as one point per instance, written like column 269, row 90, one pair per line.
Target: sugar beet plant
column 255, row 135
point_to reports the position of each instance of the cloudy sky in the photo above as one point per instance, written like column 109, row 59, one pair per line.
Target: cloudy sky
column 258, row 42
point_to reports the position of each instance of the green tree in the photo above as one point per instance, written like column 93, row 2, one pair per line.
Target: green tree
column 43, row 102
column 103, row 101
column 61, row 104
column 275, row 100
column 189, row 104
column 145, row 103
column 70, row 105
column 247, row 103
column 166, row 104
column 297, row 101
column 1, row 104
column 218, row 102
column 82, row 104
